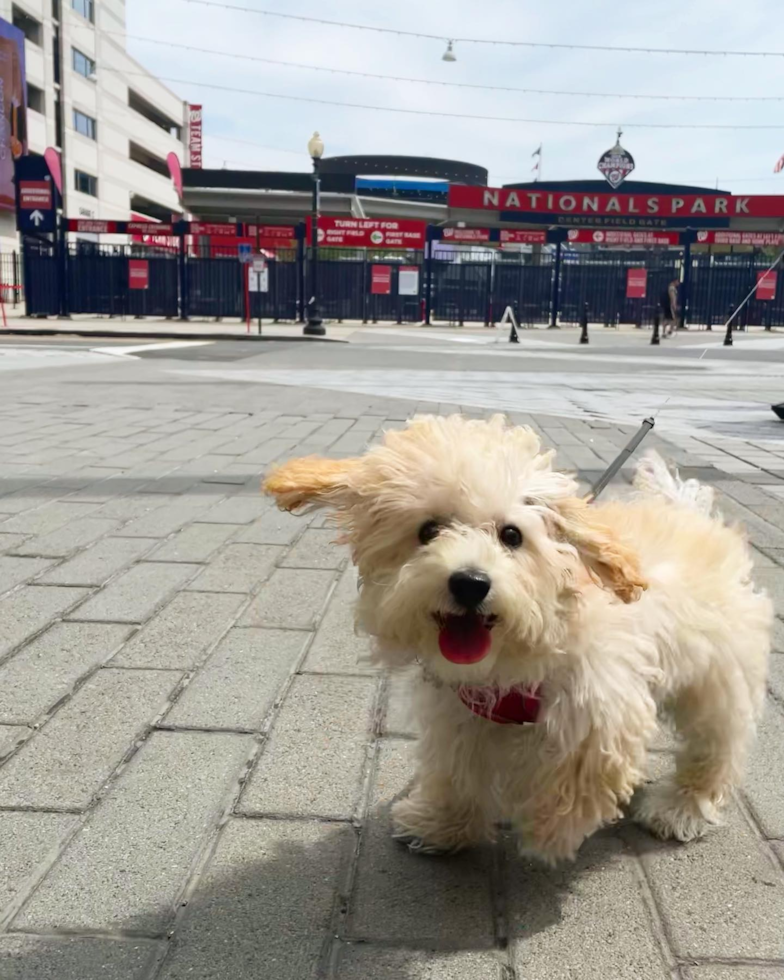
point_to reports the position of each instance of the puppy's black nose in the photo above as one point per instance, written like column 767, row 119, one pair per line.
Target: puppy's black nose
column 469, row 587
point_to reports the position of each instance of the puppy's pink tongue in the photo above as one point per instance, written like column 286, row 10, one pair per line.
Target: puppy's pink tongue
column 464, row 639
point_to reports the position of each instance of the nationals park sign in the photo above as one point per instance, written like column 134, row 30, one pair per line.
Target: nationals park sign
column 577, row 208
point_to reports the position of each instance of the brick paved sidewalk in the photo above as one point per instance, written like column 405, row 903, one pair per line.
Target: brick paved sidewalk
column 197, row 769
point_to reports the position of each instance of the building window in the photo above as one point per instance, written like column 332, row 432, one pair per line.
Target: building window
column 85, row 8
column 35, row 99
column 55, row 9
column 58, row 119
column 84, row 124
column 139, row 104
column 139, row 155
column 82, row 64
column 29, row 26
column 85, row 183
column 56, row 54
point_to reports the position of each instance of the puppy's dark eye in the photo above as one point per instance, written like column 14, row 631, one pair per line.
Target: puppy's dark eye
column 510, row 536
column 428, row 531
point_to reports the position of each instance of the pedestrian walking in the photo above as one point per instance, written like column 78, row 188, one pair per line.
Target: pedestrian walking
column 670, row 305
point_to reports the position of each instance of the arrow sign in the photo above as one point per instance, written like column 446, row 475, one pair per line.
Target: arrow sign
column 36, row 196
column 36, row 217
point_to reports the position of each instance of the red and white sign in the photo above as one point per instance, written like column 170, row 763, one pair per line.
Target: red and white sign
column 194, row 136
column 36, row 195
column 766, row 285
column 381, row 280
column 694, row 206
column 466, row 234
column 273, row 236
column 584, row 236
column 758, row 238
column 149, row 232
column 213, row 229
column 87, row 225
column 368, row 233
column 636, row 283
column 515, row 236
column 138, row 274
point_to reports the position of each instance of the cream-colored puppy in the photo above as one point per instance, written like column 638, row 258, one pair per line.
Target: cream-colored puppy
column 550, row 634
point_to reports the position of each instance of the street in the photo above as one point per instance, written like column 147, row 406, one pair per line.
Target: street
column 196, row 764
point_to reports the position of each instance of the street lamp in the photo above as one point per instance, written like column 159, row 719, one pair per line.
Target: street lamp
column 314, row 327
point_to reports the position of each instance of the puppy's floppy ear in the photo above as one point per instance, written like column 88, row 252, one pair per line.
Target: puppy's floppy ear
column 312, row 481
column 600, row 548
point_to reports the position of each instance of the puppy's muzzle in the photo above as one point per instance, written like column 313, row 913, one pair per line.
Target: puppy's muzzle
column 469, row 587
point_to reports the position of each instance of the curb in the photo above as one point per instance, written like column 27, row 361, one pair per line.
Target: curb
column 165, row 335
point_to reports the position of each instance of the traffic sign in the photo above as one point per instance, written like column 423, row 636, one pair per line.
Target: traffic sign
column 37, row 198
column 244, row 253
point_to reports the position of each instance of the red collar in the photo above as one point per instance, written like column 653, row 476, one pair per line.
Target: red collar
column 513, row 708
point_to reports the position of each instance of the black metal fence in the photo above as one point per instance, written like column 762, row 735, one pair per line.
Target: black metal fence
column 546, row 284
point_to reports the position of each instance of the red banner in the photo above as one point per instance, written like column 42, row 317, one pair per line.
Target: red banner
column 766, row 285
column 515, row 236
column 273, row 236
column 381, row 280
column 756, row 238
column 636, row 283
column 194, row 136
column 369, row 233
column 213, row 229
column 584, row 236
column 93, row 227
column 466, row 234
column 138, row 274
column 637, row 205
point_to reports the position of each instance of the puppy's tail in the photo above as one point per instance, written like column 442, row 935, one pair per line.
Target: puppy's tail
column 654, row 477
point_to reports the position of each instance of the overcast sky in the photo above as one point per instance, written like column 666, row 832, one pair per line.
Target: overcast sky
column 264, row 133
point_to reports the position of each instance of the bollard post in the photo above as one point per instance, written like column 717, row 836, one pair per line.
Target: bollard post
column 728, row 334
column 584, row 325
column 655, row 341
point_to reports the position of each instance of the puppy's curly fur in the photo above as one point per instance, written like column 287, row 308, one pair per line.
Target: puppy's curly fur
column 614, row 612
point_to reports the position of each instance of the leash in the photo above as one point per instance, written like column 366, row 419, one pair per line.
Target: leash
column 620, row 459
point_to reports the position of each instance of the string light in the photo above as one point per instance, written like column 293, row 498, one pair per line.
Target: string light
column 478, row 40
column 445, row 84
column 446, row 115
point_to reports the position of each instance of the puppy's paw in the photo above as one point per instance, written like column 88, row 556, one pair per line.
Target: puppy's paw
column 418, row 846
column 670, row 813
column 425, row 829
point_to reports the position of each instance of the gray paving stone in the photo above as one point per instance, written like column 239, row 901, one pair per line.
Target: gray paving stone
column 240, row 681
column 406, row 897
column 317, row 549
column 734, row 971
column 270, row 889
column 776, row 679
column 127, row 867
column 63, row 541
column 238, row 568
column 237, row 510
column 136, row 594
column 273, row 527
column 194, row 543
column 47, row 518
column 65, row 763
column 131, row 507
column 337, row 648
column 772, row 580
column 14, row 571
column 9, row 542
column 290, row 599
column 587, row 919
column 363, row 961
column 314, row 761
column 161, row 521
column 10, row 737
column 720, row 897
column 766, row 795
column 179, row 636
column 27, row 841
column 75, row 958
column 97, row 564
column 26, row 611
column 47, row 669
